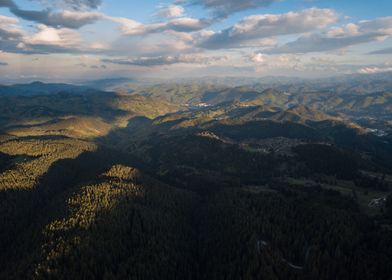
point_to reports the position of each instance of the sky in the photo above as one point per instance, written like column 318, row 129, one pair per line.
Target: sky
column 74, row 40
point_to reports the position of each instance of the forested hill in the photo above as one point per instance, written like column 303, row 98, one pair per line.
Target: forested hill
column 194, row 181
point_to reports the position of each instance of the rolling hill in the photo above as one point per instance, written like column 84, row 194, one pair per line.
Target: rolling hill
column 195, row 181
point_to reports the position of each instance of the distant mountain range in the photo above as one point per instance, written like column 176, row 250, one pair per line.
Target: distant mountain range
column 39, row 88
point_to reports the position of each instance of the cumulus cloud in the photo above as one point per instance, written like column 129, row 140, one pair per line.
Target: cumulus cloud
column 53, row 36
column 49, row 40
column 133, row 28
column 171, row 11
column 45, row 39
column 67, row 19
column 9, row 28
column 223, row 8
column 186, row 24
column 257, row 58
column 281, row 61
column 167, row 60
column 174, row 38
column 10, row 33
column 263, row 26
column 341, row 37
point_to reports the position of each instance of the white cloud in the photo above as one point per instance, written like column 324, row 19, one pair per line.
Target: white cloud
column 263, row 26
column 128, row 26
column 257, row 58
column 171, row 11
column 174, row 38
column 9, row 28
column 98, row 46
column 374, row 70
column 341, row 37
column 281, row 61
column 10, row 33
column 184, row 24
column 8, row 20
column 44, row 40
column 55, row 37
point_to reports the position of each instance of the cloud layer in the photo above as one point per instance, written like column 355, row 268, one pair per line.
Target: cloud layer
column 167, row 60
column 264, row 26
column 341, row 37
column 133, row 28
column 178, row 32
column 67, row 19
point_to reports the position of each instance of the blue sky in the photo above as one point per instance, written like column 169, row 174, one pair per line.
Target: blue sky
column 67, row 40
